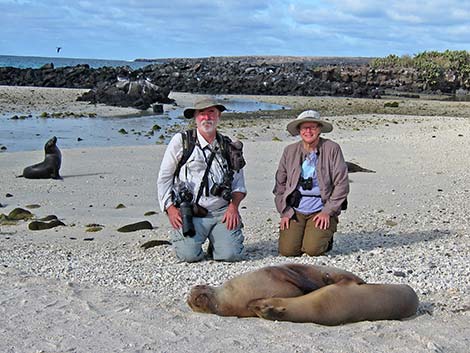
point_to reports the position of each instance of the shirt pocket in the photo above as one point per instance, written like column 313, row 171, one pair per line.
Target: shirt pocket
column 196, row 166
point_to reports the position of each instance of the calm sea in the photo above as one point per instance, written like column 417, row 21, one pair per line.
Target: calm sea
column 35, row 62
column 31, row 133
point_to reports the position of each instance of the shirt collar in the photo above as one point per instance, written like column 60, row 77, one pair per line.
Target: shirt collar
column 202, row 141
column 304, row 153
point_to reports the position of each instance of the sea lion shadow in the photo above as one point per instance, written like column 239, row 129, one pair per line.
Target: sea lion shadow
column 425, row 308
column 84, row 175
column 350, row 243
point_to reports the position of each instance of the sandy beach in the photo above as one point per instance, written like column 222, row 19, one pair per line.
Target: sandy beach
column 69, row 289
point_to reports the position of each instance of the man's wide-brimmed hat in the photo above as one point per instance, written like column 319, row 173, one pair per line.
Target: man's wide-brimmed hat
column 308, row 116
column 201, row 104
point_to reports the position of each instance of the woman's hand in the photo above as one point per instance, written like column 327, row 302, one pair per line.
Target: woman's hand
column 284, row 223
column 322, row 220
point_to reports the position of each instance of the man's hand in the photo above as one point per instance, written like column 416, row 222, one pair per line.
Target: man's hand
column 322, row 220
column 174, row 216
column 231, row 217
column 284, row 223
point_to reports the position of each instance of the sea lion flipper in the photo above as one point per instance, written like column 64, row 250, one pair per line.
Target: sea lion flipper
column 266, row 310
column 298, row 280
column 329, row 278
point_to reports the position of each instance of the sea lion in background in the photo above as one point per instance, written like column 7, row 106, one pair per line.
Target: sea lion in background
column 341, row 303
column 49, row 168
column 289, row 280
column 355, row 168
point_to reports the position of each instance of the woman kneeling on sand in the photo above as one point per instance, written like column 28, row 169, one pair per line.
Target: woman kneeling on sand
column 311, row 188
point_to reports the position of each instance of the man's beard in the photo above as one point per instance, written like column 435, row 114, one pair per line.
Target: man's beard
column 207, row 126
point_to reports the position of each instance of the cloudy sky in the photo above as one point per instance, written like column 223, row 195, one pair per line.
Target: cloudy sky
column 129, row 29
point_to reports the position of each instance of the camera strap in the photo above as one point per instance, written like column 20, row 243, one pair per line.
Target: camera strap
column 205, row 180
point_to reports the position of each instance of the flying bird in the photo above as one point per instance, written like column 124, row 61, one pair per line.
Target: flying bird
column 58, row 49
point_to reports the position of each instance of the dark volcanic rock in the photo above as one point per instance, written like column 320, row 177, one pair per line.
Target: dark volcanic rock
column 140, row 94
column 38, row 225
column 135, row 226
column 154, row 242
column 151, row 84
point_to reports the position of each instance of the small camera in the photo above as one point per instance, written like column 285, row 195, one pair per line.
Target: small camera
column 306, row 184
column 223, row 189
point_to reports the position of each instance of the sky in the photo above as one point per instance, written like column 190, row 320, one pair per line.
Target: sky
column 126, row 30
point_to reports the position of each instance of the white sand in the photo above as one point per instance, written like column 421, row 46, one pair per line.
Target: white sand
column 62, row 293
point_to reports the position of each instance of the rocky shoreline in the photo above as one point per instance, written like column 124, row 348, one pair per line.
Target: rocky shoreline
column 275, row 76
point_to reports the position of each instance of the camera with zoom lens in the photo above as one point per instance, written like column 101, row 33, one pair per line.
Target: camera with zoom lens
column 223, row 189
column 183, row 199
column 306, row 184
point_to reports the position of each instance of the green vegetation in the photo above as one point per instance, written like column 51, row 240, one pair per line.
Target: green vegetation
column 391, row 105
column 432, row 66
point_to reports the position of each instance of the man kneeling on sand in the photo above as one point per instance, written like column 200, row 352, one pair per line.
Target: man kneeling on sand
column 200, row 187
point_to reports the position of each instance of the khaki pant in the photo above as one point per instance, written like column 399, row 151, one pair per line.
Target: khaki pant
column 303, row 237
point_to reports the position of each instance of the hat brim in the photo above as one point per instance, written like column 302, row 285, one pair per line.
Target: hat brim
column 293, row 126
column 189, row 112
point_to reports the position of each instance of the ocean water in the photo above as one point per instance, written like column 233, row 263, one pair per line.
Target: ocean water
column 35, row 62
column 31, row 133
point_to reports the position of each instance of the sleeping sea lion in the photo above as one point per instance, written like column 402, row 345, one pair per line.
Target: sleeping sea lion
column 340, row 303
column 49, row 167
column 289, row 280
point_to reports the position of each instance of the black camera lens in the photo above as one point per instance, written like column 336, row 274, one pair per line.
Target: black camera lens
column 186, row 209
column 183, row 199
column 216, row 189
column 227, row 194
column 186, row 195
column 222, row 190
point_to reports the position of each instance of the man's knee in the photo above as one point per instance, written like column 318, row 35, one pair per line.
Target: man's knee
column 228, row 253
column 188, row 252
column 228, row 244
column 187, row 256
